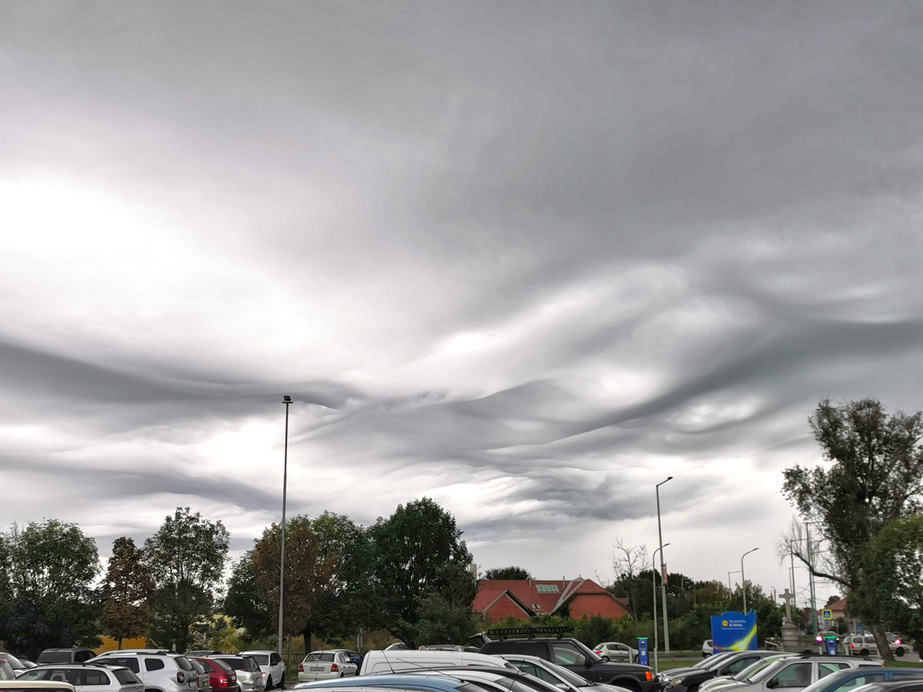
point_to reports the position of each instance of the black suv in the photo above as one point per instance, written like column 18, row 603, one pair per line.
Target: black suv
column 576, row 657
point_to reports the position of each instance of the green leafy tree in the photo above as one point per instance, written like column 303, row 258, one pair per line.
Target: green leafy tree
column 126, row 592
column 246, row 601
column 186, row 558
column 511, row 572
column 893, row 571
column 325, row 572
column 47, row 573
column 876, row 477
column 417, row 555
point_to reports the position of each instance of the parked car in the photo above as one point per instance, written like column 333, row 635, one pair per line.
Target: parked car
column 412, row 683
column 690, row 679
column 204, row 681
column 856, row 677
column 616, row 651
column 34, row 686
column 397, row 646
column 73, row 654
column 708, row 648
column 249, row 676
column 158, row 670
column 556, row 675
column 498, row 679
column 87, row 677
column 385, row 662
column 730, row 680
column 18, row 665
column 714, row 661
column 892, row 686
column 577, row 658
column 325, row 665
column 865, row 645
column 221, row 677
column 797, row 672
column 271, row 663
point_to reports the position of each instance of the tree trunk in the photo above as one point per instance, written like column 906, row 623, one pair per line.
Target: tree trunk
column 884, row 650
column 306, row 633
column 120, row 643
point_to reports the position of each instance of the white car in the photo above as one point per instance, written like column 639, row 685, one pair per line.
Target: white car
column 158, row 669
column 796, row 673
column 616, row 651
column 326, row 665
column 271, row 663
column 388, row 662
column 747, row 673
column 865, row 645
column 556, row 675
column 86, row 677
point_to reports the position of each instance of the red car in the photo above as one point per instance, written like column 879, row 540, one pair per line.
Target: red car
column 220, row 675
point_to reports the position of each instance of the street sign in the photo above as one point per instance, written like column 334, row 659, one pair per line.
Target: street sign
column 860, row 629
column 827, row 614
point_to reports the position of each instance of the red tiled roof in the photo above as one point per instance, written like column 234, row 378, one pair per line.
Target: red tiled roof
column 537, row 595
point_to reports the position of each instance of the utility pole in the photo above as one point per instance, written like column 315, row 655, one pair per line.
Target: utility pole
column 663, row 585
column 807, row 530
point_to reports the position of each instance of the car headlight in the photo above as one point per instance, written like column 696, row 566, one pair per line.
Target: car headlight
column 673, row 682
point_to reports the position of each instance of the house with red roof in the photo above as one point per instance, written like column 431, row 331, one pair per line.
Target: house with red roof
column 523, row 599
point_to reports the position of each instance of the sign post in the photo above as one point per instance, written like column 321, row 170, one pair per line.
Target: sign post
column 642, row 651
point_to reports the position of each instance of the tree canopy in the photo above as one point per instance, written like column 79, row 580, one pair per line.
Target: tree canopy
column 46, row 576
column 126, row 592
column 186, row 558
column 511, row 572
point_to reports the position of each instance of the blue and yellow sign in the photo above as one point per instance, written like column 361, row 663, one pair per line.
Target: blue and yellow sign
column 733, row 631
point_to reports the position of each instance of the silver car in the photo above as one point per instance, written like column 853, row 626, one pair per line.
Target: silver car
column 249, row 676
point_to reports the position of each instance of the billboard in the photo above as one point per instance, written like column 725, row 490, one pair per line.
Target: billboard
column 733, row 631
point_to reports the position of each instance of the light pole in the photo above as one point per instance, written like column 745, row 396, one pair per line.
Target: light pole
column 654, row 591
column 663, row 586
column 287, row 400
column 743, row 578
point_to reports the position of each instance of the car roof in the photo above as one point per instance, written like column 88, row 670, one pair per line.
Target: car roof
column 257, row 651
column 105, row 666
column 444, row 681
column 35, row 684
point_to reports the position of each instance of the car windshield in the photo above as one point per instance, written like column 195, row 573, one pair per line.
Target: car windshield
column 589, row 653
column 755, row 668
column 317, row 656
column 261, row 659
column 54, row 657
column 768, row 671
column 565, row 674
column 235, row 663
column 718, row 660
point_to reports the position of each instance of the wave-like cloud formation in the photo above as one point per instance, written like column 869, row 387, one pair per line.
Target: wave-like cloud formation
column 528, row 261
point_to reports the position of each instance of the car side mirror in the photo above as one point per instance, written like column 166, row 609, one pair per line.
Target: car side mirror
column 772, row 684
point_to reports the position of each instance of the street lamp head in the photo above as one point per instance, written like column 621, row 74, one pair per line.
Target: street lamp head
column 286, row 399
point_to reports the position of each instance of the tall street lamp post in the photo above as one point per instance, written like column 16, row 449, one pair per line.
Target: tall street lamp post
column 663, row 586
column 287, row 400
column 654, row 591
column 743, row 577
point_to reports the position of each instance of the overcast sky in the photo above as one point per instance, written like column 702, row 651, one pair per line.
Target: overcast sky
column 526, row 258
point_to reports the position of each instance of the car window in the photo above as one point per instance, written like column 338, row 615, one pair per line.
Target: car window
column 81, row 656
column 127, row 661
column 34, row 675
column 319, row 657
column 94, row 677
column 825, row 669
column 250, row 664
column 735, row 667
column 275, row 659
column 537, row 671
column 235, row 663
column 182, row 662
column 153, row 664
column 261, row 659
column 54, row 657
column 794, row 675
column 566, row 654
column 859, row 681
column 126, row 677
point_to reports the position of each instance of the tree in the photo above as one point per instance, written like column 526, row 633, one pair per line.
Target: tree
column 418, row 555
column 246, row 601
column 628, row 561
column 47, row 572
column 511, row 572
column 324, row 575
column 876, row 477
column 186, row 558
column 126, row 592
column 893, row 577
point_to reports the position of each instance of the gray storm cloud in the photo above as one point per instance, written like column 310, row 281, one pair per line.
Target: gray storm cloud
column 526, row 259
